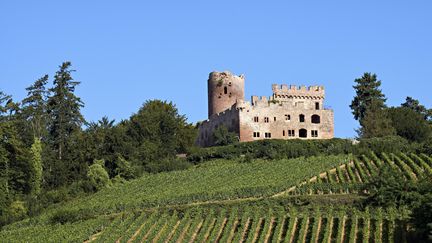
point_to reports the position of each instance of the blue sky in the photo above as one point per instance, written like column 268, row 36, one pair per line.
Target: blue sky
column 127, row 52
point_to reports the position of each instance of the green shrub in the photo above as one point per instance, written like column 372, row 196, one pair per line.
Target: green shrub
column 391, row 144
column 167, row 164
column 97, row 175
column 273, row 149
column 69, row 216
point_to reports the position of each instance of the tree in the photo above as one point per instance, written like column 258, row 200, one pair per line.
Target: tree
column 367, row 91
column 222, row 136
column 415, row 105
column 97, row 175
column 409, row 124
column 376, row 122
column 35, row 107
column 4, row 101
column 64, row 127
column 159, row 131
column 36, row 167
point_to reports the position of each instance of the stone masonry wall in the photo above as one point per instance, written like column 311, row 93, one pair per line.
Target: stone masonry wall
column 278, row 118
column 229, row 118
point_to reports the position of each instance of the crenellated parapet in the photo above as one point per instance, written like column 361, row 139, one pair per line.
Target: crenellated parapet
column 300, row 92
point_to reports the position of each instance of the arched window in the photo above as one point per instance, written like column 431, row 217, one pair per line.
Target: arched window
column 225, row 90
column 303, row 133
column 316, row 119
column 302, row 118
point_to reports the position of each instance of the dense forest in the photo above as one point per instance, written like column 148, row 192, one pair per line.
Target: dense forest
column 50, row 154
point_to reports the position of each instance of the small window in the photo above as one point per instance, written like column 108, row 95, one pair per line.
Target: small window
column 317, row 105
column 266, row 120
column 314, row 133
column 256, row 119
column 256, row 134
column 267, row 135
column 283, row 133
column 291, row 133
column 302, row 118
column 287, row 117
column 225, row 90
column 316, row 119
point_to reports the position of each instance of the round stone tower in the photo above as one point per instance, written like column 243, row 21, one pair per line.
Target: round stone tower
column 224, row 90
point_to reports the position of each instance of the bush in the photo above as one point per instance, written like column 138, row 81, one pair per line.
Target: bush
column 167, row 164
column 97, row 175
column 69, row 216
column 391, row 144
column 17, row 210
column 273, row 149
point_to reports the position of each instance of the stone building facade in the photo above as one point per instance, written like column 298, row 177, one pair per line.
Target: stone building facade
column 290, row 113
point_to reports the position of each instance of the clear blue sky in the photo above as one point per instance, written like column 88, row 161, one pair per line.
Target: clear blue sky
column 127, row 52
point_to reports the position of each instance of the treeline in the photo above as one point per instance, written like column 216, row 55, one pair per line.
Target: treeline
column 49, row 152
column 411, row 120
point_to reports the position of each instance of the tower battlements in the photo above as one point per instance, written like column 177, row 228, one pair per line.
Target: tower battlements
column 293, row 91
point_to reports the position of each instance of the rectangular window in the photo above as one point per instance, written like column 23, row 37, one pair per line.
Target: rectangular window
column 317, row 106
column 283, row 133
column 256, row 119
column 267, row 135
column 287, row 117
column 314, row 133
column 274, row 118
column 291, row 133
column 266, row 119
column 256, row 134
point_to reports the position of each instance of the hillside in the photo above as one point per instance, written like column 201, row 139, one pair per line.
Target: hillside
column 228, row 201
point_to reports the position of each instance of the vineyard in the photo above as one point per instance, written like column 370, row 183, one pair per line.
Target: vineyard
column 237, row 202
column 350, row 177
column 237, row 224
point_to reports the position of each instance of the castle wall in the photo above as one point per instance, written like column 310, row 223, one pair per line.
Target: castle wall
column 276, row 119
column 229, row 118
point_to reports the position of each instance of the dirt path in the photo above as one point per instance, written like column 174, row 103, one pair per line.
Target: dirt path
column 172, row 232
column 245, row 230
column 93, row 237
column 270, row 229
column 342, row 230
column 257, row 230
column 303, row 237
column 149, row 232
column 209, row 230
column 197, row 230
column 318, row 230
column 183, row 233
column 219, row 234
column 291, row 234
column 233, row 229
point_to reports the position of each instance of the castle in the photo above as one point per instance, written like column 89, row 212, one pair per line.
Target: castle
column 291, row 112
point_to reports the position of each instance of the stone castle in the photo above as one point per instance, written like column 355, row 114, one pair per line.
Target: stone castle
column 291, row 112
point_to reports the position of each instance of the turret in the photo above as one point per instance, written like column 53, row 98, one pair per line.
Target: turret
column 224, row 90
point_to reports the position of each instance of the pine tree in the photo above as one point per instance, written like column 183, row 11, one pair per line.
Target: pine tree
column 415, row 105
column 64, row 109
column 64, row 127
column 367, row 91
column 35, row 107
